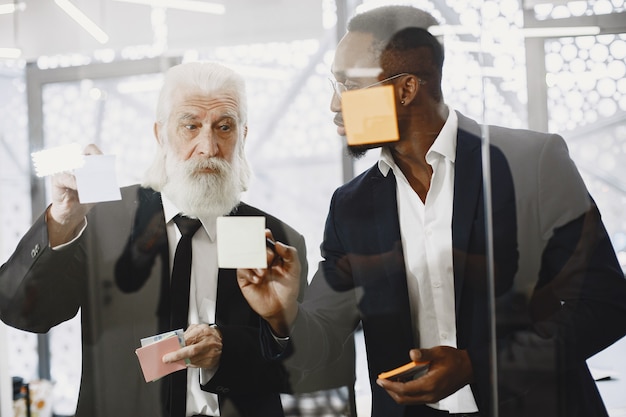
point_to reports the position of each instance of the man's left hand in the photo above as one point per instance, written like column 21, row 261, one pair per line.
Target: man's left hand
column 203, row 347
column 450, row 370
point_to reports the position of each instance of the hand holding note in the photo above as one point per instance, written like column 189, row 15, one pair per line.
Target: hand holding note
column 404, row 373
column 77, row 182
column 241, row 242
column 91, row 174
column 153, row 349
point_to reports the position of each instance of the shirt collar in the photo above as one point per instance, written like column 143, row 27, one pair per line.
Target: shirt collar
column 170, row 211
column 444, row 145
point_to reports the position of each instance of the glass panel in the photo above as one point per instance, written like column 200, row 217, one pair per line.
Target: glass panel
column 400, row 266
column 15, row 204
column 116, row 115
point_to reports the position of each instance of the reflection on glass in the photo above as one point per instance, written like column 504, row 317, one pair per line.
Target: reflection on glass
column 296, row 159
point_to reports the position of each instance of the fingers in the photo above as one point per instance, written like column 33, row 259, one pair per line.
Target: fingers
column 64, row 187
column 66, row 207
column 196, row 333
column 417, row 356
column 449, row 370
column 247, row 277
column 66, row 180
column 203, row 347
column 413, row 392
column 279, row 255
column 92, row 149
column 422, row 390
column 287, row 253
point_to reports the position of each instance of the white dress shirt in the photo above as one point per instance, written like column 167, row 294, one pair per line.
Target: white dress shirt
column 426, row 232
column 202, row 300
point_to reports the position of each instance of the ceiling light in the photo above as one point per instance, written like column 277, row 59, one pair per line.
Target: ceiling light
column 188, row 5
column 444, row 30
column 259, row 72
column 560, row 32
column 84, row 21
column 7, row 8
column 140, row 86
column 538, row 32
column 10, row 53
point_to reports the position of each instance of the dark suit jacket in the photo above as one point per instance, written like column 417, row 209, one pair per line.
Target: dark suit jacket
column 363, row 275
column 117, row 273
column 363, row 278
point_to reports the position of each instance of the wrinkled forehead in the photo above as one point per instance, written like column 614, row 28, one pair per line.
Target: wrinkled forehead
column 356, row 57
column 221, row 99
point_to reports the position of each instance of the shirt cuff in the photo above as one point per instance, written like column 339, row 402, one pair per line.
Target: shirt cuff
column 66, row 244
column 281, row 341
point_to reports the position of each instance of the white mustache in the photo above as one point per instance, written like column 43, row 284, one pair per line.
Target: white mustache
column 212, row 164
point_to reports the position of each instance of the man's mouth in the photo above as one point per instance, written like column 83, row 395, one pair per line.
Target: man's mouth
column 338, row 120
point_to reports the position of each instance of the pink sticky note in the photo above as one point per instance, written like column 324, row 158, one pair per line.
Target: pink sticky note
column 151, row 358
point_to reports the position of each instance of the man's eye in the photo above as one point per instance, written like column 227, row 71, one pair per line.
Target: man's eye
column 191, row 127
column 224, row 127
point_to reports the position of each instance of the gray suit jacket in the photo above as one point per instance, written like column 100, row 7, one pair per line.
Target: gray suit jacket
column 568, row 301
column 117, row 273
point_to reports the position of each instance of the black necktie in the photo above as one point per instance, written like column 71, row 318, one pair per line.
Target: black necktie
column 179, row 307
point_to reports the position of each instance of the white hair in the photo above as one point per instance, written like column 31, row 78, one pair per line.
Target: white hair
column 218, row 192
column 205, row 78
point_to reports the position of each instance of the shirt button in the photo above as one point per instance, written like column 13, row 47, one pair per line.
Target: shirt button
column 437, row 284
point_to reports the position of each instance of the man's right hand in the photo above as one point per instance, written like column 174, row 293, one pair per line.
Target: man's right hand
column 66, row 214
column 273, row 292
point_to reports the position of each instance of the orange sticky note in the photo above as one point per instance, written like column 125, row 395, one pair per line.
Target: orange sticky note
column 369, row 115
column 151, row 358
column 404, row 373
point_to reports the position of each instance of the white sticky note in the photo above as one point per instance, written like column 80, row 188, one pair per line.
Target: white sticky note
column 96, row 180
column 241, row 242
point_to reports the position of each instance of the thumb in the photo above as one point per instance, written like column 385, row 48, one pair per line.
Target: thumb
column 418, row 355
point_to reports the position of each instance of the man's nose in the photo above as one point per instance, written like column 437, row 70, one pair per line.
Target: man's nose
column 335, row 103
column 207, row 144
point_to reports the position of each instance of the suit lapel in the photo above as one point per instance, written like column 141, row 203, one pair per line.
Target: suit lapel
column 467, row 199
column 384, row 200
column 387, row 223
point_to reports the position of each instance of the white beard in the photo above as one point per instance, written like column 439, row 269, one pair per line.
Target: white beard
column 202, row 194
column 197, row 193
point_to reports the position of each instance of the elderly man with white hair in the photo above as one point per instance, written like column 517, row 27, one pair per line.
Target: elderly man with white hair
column 114, row 261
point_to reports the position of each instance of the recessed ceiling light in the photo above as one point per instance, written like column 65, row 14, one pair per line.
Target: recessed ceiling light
column 188, row 5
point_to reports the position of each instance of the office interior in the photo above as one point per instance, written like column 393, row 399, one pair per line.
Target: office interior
column 553, row 66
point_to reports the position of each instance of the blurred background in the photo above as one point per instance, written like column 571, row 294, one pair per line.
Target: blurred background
column 88, row 71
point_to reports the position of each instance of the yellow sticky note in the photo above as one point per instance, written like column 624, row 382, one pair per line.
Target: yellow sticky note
column 369, row 115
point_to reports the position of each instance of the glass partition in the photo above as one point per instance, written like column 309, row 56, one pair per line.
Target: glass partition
column 534, row 296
